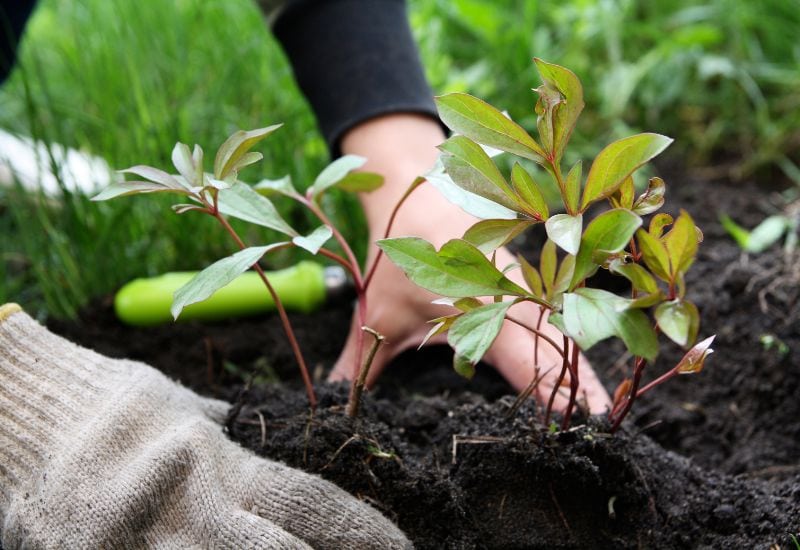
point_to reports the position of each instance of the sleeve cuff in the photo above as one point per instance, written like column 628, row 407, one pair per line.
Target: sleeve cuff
column 354, row 60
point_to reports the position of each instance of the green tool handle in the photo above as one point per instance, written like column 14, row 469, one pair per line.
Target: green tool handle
column 146, row 302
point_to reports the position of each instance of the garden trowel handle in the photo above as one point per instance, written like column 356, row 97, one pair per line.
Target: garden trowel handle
column 302, row 288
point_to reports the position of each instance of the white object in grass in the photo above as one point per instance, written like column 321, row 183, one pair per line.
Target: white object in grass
column 37, row 166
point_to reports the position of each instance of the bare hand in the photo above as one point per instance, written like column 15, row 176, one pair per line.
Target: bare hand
column 402, row 147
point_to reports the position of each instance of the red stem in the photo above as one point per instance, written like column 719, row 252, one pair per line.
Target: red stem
column 536, row 339
column 538, row 333
column 361, row 294
column 660, row 380
column 573, row 386
column 338, row 259
column 638, row 369
column 395, row 210
column 564, row 368
column 287, row 326
column 351, row 257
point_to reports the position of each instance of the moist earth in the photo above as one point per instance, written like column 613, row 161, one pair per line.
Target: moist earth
column 710, row 460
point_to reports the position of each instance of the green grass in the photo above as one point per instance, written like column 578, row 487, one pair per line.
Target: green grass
column 126, row 80
column 721, row 76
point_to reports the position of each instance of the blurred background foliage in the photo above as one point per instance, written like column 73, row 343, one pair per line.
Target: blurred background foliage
column 126, row 80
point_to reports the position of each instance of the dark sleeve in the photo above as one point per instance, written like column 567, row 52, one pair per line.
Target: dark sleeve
column 353, row 60
column 13, row 16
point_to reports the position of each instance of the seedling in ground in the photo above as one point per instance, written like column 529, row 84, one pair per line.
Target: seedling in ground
column 654, row 257
column 222, row 195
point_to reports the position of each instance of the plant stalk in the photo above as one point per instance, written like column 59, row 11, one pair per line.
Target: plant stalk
column 660, row 380
column 573, row 386
column 357, row 389
column 287, row 326
column 564, row 368
column 638, row 369
column 371, row 272
column 361, row 292
column 538, row 333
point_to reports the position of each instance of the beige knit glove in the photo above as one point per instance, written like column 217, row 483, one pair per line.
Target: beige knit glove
column 103, row 453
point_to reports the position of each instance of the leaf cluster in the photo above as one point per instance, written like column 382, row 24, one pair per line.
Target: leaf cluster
column 653, row 257
column 221, row 193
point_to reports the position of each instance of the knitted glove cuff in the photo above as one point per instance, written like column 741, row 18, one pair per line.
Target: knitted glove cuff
column 47, row 385
column 51, row 390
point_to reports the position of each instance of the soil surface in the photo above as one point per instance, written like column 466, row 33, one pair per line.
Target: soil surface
column 704, row 461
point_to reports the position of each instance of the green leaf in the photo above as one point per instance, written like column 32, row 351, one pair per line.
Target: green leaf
column 156, row 176
column 679, row 320
column 529, row 193
column 547, row 105
column 658, row 223
column 548, row 261
column 360, row 182
column 764, row 235
column 695, row 358
column 282, row 186
column 645, row 301
column 639, row 277
column 566, row 115
column 334, row 173
column 463, row 367
column 510, row 267
column 241, row 201
column 471, row 169
column 481, row 122
column 488, row 235
column 564, row 275
column 235, row 147
column 681, row 244
column 473, row 333
column 565, row 231
column 458, row 269
column 216, row 276
column 246, row 160
column 652, row 199
column 590, row 315
column 767, row 233
column 440, row 326
column 467, row 304
column 197, row 160
column 624, row 195
column 218, row 184
column 739, row 233
column 531, row 276
column 654, row 254
column 469, row 202
column 314, row 240
column 184, row 163
column 135, row 188
column 462, row 304
column 573, row 187
column 618, row 161
column 611, row 231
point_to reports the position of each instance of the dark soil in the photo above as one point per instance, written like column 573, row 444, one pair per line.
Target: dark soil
column 705, row 461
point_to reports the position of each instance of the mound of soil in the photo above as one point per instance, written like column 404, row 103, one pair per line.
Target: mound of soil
column 704, row 461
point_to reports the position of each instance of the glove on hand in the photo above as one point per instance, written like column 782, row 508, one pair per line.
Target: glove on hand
column 97, row 452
